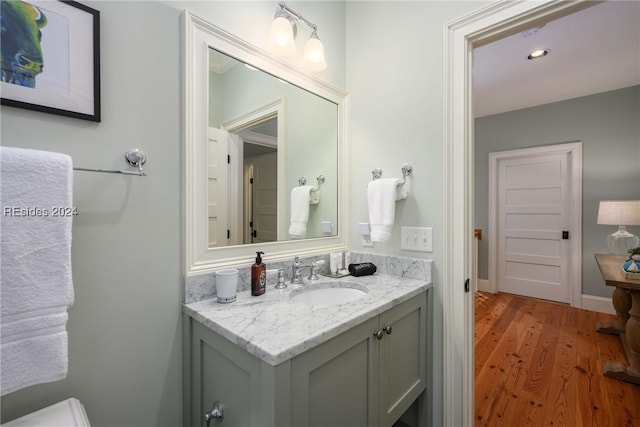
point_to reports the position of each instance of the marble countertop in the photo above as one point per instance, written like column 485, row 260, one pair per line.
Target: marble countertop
column 275, row 328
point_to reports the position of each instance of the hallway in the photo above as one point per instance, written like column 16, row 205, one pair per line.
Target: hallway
column 539, row 363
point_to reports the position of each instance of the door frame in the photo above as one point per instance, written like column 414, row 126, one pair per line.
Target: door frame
column 574, row 152
column 277, row 109
column 245, row 210
column 485, row 25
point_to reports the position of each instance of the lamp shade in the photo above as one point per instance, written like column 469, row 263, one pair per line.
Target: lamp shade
column 281, row 41
column 314, row 53
column 619, row 212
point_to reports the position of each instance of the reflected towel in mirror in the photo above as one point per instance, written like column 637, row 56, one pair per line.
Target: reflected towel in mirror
column 301, row 197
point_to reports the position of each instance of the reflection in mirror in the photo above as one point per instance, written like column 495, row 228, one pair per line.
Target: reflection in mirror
column 264, row 135
column 309, row 115
column 260, row 178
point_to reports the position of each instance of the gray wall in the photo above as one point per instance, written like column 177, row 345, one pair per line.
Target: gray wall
column 395, row 81
column 608, row 124
column 124, row 330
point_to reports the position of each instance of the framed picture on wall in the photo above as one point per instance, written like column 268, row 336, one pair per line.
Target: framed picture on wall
column 51, row 57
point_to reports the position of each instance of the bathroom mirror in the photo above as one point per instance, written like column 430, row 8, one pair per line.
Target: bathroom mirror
column 300, row 127
column 267, row 136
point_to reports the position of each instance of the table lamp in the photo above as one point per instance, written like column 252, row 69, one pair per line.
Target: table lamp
column 620, row 213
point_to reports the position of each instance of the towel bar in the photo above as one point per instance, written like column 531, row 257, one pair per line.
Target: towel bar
column 134, row 157
column 303, row 180
column 407, row 170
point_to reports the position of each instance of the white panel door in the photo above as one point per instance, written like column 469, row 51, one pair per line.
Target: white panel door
column 218, row 186
column 533, row 211
column 265, row 197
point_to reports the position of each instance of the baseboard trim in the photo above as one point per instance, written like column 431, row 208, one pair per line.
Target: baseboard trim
column 483, row 285
column 588, row 302
column 596, row 303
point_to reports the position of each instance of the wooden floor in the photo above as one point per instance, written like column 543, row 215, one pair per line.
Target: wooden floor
column 539, row 363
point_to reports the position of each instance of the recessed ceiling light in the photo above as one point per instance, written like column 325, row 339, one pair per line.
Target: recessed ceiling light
column 539, row 53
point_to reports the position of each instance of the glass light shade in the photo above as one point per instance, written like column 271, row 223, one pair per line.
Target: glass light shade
column 314, row 54
column 281, row 42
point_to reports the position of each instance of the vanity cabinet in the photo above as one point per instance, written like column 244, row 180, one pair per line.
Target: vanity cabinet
column 367, row 376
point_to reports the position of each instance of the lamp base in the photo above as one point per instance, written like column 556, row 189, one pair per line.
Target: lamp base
column 621, row 241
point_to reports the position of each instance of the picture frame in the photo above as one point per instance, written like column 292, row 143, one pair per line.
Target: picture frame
column 51, row 58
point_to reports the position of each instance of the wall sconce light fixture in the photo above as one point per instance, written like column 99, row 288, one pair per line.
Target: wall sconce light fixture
column 283, row 33
column 620, row 213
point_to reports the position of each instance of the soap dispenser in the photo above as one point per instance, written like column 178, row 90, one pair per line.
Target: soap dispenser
column 258, row 276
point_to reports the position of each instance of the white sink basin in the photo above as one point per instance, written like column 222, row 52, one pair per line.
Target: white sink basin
column 329, row 293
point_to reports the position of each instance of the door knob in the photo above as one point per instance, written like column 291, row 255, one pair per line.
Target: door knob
column 378, row 334
column 387, row 329
column 216, row 413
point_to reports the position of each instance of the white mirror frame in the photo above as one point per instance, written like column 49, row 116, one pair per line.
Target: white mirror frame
column 199, row 36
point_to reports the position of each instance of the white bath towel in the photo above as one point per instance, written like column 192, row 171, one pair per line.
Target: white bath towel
column 34, row 349
column 35, row 275
column 301, row 197
column 382, row 195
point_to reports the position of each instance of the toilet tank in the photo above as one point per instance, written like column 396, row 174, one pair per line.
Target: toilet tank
column 68, row 413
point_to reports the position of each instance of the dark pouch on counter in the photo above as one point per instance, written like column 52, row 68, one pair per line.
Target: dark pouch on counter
column 362, row 269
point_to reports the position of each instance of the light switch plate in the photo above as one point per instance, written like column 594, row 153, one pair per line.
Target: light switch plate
column 363, row 228
column 417, row 239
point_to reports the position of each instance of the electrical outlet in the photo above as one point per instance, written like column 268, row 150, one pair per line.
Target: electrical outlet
column 366, row 241
column 417, row 239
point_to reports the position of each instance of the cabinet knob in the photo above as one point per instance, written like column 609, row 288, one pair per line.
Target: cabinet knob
column 378, row 334
column 216, row 413
column 387, row 329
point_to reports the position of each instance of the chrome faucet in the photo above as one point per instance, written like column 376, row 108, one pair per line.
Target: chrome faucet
column 296, row 274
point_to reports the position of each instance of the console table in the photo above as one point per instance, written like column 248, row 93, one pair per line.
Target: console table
column 626, row 301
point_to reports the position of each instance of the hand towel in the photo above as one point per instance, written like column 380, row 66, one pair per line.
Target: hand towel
column 35, row 273
column 301, row 196
column 382, row 195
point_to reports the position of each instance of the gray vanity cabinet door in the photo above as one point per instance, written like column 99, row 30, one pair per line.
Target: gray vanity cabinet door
column 403, row 359
column 223, row 372
column 335, row 384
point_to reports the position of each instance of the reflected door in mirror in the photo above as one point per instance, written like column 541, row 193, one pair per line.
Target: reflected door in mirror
column 218, row 177
column 264, row 189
